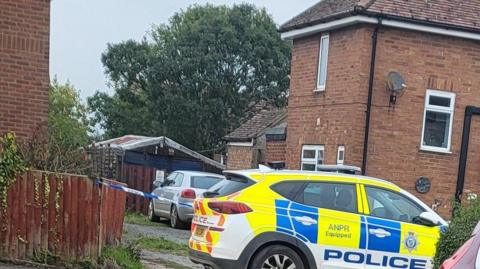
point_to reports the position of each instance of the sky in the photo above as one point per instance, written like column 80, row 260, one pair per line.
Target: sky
column 81, row 30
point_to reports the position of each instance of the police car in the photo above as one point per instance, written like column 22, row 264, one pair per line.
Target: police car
column 308, row 220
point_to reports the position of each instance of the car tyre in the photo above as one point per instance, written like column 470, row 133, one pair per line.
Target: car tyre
column 175, row 221
column 277, row 256
column 151, row 213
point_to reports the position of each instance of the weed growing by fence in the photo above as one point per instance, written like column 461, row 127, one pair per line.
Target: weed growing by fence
column 11, row 165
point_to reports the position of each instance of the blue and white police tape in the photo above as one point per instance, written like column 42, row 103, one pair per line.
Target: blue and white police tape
column 128, row 190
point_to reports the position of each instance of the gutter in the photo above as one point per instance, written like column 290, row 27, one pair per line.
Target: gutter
column 390, row 21
column 370, row 95
column 470, row 111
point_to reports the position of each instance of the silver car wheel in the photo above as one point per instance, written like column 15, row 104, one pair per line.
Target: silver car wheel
column 278, row 261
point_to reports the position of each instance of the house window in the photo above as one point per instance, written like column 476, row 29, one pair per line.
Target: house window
column 341, row 155
column 312, row 157
column 323, row 63
column 437, row 123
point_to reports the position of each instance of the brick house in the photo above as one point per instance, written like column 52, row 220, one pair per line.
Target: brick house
column 261, row 139
column 341, row 110
column 24, row 65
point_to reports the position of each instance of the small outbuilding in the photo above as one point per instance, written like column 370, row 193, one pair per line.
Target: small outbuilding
column 139, row 160
column 259, row 140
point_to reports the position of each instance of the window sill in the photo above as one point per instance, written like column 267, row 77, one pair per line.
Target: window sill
column 435, row 150
column 319, row 90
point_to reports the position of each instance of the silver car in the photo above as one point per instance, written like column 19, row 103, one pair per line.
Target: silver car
column 177, row 193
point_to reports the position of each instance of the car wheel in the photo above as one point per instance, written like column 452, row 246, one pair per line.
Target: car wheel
column 151, row 213
column 175, row 221
column 277, row 257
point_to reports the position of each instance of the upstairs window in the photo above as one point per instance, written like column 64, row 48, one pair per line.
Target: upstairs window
column 341, row 155
column 323, row 62
column 312, row 156
column 438, row 119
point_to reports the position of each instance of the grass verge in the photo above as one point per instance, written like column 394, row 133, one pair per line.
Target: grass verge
column 125, row 257
column 160, row 244
column 134, row 218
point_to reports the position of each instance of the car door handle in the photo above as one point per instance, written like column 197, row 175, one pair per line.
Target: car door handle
column 380, row 233
column 307, row 221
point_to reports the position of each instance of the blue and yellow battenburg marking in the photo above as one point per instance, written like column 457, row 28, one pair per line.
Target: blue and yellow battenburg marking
column 330, row 227
column 347, row 230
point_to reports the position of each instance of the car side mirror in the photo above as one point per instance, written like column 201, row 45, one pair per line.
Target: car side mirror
column 157, row 183
column 166, row 183
column 429, row 219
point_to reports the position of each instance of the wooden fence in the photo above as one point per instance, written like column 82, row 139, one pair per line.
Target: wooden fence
column 139, row 178
column 67, row 216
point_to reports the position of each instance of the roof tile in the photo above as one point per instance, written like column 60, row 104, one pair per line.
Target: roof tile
column 459, row 13
column 257, row 124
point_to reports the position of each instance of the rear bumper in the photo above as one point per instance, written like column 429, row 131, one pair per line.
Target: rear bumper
column 215, row 263
column 185, row 211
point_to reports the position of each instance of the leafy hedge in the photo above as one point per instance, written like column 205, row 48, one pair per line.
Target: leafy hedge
column 458, row 232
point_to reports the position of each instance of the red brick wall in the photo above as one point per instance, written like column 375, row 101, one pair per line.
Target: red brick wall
column 239, row 157
column 24, row 64
column 276, row 151
column 340, row 109
column 427, row 62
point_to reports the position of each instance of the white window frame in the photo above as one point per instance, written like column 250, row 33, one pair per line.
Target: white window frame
column 313, row 161
column 450, row 110
column 321, row 88
column 340, row 149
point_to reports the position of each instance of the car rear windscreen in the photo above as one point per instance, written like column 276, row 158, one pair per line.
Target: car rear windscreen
column 234, row 184
column 204, row 182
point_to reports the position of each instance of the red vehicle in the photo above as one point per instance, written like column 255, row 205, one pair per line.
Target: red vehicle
column 467, row 256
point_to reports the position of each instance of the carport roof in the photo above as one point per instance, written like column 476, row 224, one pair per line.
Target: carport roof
column 132, row 142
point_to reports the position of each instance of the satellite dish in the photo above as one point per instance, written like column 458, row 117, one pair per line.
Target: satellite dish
column 395, row 85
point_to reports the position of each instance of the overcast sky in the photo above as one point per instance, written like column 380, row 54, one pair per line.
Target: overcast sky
column 81, row 30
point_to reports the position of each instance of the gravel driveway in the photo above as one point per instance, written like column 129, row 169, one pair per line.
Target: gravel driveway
column 134, row 231
column 160, row 260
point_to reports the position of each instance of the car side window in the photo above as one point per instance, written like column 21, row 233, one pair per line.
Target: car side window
column 288, row 189
column 391, row 205
column 178, row 181
column 334, row 196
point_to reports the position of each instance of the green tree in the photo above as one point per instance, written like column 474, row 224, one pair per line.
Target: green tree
column 196, row 78
column 68, row 117
column 57, row 145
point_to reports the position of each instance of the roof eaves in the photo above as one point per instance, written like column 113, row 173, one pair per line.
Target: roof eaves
column 332, row 17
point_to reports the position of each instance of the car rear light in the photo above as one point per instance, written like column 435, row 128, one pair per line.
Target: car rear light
column 229, row 208
column 188, row 194
column 450, row 263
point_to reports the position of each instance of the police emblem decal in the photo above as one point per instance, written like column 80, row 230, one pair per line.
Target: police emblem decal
column 410, row 242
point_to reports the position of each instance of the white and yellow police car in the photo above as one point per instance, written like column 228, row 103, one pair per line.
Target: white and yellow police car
column 309, row 220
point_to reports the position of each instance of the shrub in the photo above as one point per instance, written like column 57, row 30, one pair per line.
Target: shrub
column 458, row 232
